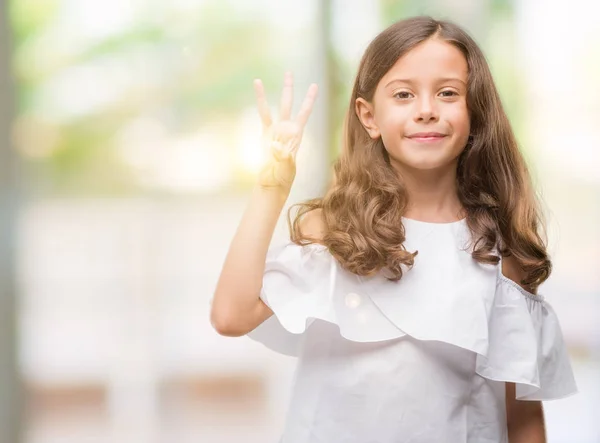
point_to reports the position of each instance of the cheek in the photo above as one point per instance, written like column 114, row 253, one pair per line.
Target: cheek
column 459, row 118
column 392, row 120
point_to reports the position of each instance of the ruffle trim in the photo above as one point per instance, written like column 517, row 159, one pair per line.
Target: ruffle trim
column 515, row 334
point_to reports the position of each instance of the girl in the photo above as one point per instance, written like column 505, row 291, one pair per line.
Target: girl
column 408, row 292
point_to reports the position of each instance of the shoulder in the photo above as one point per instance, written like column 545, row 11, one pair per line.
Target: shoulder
column 312, row 224
column 513, row 271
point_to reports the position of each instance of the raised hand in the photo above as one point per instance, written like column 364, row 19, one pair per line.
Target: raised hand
column 282, row 138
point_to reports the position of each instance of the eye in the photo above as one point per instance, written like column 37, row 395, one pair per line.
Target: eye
column 402, row 95
column 452, row 93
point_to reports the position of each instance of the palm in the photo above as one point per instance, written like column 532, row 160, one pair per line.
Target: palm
column 282, row 138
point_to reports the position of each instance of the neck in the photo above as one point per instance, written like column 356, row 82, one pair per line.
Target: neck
column 432, row 195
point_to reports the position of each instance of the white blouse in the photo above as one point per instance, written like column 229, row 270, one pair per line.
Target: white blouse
column 421, row 360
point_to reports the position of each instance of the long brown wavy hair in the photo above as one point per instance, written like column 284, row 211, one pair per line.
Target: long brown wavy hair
column 363, row 207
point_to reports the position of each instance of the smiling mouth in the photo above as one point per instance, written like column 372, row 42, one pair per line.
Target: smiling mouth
column 429, row 138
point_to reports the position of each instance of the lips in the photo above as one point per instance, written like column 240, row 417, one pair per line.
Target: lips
column 427, row 135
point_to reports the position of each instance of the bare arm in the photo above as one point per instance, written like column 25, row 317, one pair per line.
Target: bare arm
column 236, row 307
column 524, row 419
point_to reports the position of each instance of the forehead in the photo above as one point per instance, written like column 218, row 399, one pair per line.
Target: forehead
column 428, row 62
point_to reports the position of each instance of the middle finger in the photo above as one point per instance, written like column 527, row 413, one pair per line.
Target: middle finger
column 287, row 97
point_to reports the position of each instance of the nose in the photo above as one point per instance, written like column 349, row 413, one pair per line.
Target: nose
column 426, row 110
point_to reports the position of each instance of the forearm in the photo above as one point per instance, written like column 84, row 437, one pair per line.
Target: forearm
column 240, row 281
column 527, row 427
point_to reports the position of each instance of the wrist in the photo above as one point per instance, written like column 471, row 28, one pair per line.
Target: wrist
column 275, row 192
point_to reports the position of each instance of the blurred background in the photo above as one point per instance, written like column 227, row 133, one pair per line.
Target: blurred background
column 129, row 141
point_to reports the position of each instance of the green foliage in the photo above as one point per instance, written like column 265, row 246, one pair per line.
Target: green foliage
column 29, row 17
column 202, row 65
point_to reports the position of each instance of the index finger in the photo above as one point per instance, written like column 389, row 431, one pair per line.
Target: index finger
column 307, row 105
column 263, row 107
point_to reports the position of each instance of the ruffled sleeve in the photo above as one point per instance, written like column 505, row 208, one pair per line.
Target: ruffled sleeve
column 526, row 345
column 302, row 284
column 295, row 284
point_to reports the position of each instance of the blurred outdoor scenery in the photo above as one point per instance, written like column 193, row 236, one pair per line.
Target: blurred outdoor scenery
column 129, row 143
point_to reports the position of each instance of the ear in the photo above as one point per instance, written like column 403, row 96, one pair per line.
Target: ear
column 364, row 111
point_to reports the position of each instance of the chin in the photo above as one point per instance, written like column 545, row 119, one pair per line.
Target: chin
column 425, row 166
column 426, row 162
column 425, row 159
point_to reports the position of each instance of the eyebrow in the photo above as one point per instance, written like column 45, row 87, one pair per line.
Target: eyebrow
column 440, row 80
